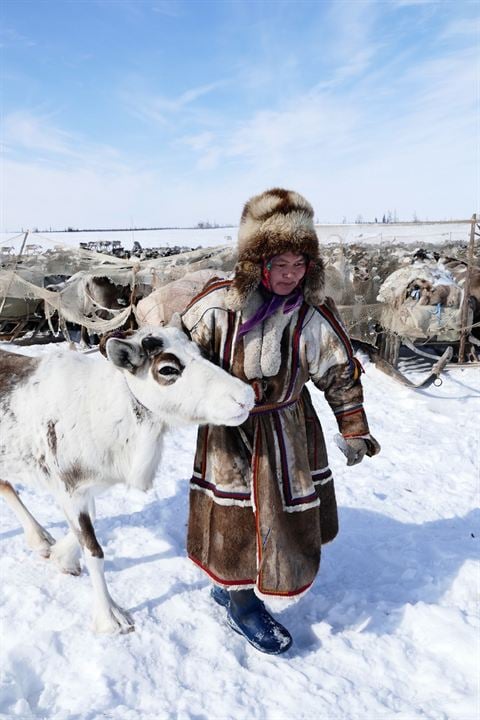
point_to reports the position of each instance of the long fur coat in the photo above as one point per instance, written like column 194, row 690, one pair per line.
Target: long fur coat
column 262, row 497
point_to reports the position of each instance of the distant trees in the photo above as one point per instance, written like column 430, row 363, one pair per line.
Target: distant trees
column 390, row 217
column 207, row 225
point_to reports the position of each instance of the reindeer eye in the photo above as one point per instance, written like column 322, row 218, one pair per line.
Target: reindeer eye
column 169, row 370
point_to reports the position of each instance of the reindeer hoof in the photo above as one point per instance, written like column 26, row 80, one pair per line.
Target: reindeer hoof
column 115, row 622
column 41, row 542
column 66, row 559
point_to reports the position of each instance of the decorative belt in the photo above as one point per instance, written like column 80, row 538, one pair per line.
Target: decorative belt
column 272, row 407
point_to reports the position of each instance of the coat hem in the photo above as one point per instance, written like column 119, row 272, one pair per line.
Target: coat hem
column 231, row 584
column 249, row 584
column 285, row 593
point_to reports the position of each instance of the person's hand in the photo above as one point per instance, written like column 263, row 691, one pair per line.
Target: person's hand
column 355, row 449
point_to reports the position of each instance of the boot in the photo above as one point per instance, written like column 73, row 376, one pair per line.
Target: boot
column 248, row 616
column 220, row 595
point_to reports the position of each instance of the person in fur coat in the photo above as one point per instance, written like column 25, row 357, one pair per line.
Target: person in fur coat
column 262, row 497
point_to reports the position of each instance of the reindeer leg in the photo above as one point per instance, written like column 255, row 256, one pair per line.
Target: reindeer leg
column 108, row 617
column 67, row 551
column 37, row 538
column 66, row 554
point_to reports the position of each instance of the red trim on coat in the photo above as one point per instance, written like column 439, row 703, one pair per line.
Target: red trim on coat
column 215, row 286
column 287, row 593
column 221, row 581
column 347, row 413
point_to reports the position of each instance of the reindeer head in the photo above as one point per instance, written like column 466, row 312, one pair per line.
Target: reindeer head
column 167, row 374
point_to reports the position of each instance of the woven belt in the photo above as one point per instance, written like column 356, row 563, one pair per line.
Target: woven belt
column 272, row 407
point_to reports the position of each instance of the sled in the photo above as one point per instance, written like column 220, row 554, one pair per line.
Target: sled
column 433, row 378
column 393, row 371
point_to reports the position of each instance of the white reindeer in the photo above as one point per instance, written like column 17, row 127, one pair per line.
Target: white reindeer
column 80, row 424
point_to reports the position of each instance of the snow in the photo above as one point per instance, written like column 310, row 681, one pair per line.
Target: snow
column 390, row 628
column 416, row 234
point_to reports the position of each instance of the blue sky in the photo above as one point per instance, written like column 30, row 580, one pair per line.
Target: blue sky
column 151, row 112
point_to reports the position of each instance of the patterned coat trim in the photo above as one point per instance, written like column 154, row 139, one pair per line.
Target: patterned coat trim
column 296, row 344
column 223, row 497
column 348, row 408
column 290, row 501
column 243, row 499
column 322, row 477
column 210, row 287
column 246, row 498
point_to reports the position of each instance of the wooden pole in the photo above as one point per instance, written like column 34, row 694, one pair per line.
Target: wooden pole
column 4, row 299
column 466, row 293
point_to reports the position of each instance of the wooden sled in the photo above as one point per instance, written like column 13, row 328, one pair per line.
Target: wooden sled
column 391, row 369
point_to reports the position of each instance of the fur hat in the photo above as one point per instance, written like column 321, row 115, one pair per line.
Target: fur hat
column 272, row 223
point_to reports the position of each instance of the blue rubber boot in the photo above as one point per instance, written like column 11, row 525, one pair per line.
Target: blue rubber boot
column 220, row 595
column 248, row 616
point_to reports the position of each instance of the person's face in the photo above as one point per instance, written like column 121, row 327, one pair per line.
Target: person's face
column 286, row 271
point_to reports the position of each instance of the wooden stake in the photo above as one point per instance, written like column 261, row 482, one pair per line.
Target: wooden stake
column 466, row 294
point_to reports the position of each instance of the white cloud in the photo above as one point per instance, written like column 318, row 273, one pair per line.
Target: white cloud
column 394, row 138
column 25, row 131
column 160, row 109
column 463, row 27
column 199, row 142
column 11, row 38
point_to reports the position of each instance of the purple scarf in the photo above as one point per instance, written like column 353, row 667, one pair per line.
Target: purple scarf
column 269, row 307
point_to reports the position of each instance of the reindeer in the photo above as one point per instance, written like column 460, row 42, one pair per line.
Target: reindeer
column 79, row 424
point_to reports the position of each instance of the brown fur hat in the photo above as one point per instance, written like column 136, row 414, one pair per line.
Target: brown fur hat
column 272, row 223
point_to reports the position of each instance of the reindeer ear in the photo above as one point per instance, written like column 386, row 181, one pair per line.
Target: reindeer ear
column 120, row 334
column 176, row 321
column 125, row 354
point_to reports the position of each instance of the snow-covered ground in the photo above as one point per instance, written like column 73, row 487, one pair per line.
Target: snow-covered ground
column 390, row 629
column 411, row 233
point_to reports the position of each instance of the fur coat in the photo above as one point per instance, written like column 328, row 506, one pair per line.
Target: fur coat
column 262, row 498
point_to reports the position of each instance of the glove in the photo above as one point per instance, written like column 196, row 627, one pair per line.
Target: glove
column 355, row 449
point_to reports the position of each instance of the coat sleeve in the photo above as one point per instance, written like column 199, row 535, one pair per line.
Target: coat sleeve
column 336, row 372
